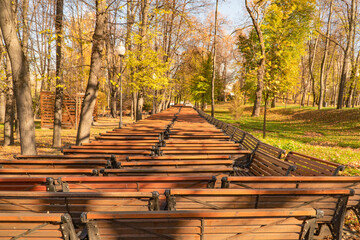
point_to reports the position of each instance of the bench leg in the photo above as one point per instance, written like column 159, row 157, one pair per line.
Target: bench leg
column 93, row 231
column 357, row 212
column 339, row 217
column 68, row 228
column 308, row 230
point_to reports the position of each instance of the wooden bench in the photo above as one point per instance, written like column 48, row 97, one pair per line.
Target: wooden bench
column 37, row 184
column 128, row 138
column 225, row 144
column 200, row 147
column 331, row 201
column 120, row 143
column 54, row 163
column 270, row 150
column 41, row 172
column 178, row 157
column 175, row 164
column 203, row 152
column 249, row 142
column 64, row 157
column 50, row 226
column 132, row 184
column 106, row 151
column 115, row 147
column 242, row 224
column 75, row 203
column 263, row 164
column 134, row 133
column 304, row 182
column 216, row 171
column 311, row 166
column 220, row 137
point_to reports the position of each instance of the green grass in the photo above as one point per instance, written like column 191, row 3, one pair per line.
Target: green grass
column 328, row 134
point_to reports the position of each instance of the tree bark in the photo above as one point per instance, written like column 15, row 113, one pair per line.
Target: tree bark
column 261, row 64
column 347, row 57
column 26, row 33
column 21, row 79
column 143, row 32
column 311, row 67
column 214, row 63
column 304, row 82
column 87, row 109
column 9, row 121
column 265, row 112
column 59, row 78
column 130, row 21
column 2, row 107
column 323, row 63
column 139, row 106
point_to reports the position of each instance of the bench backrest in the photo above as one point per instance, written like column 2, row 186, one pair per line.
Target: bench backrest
column 176, row 164
column 311, row 166
column 52, row 172
column 249, row 142
column 49, row 226
column 270, row 150
column 195, row 225
column 53, row 163
column 133, row 184
column 304, row 182
column 75, row 203
column 38, row 184
column 178, row 157
column 216, row 171
column 263, row 164
column 331, row 201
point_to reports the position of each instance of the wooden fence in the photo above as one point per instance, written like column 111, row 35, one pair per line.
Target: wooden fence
column 71, row 110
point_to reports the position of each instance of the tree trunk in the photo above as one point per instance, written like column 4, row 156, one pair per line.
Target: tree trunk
column 139, row 106
column 21, row 80
column 311, row 67
column 265, row 112
column 9, row 116
column 143, row 32
column 88, row 104
column 59, row 78
column 354, row 94
column 2, row 93
column 129, row 23
column 113, row 102
column 214, row 63
column 273, row 102
column 261, row 64
column 347, row 57
column 2, row 107
column 304, row 83
column 323, row 63
column 325, row 103
column 354, row 78
column 9, row 121
column 25, row 32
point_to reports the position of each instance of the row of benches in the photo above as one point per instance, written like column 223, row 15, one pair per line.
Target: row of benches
column 302, row 165
column 114, row 207
column 331, row 202
column 183, row 225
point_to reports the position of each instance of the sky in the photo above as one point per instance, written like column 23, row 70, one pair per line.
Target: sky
column 234, row 10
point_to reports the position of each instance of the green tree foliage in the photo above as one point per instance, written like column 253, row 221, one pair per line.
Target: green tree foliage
column 285, row 28
column 194, row 76
column 148, row 70
column 200, row 86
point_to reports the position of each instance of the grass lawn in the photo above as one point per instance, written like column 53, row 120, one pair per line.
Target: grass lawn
column 328, row 134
